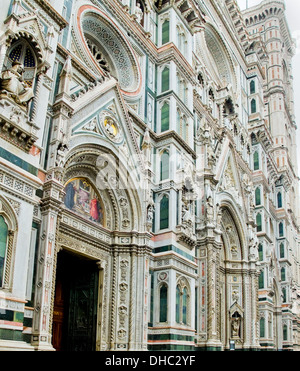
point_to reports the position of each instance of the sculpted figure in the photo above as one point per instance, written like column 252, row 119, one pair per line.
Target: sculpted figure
column 209, row 210
column 150, row 213
column 235, row 327
column 138, row 12
column 12, row 82
column 61, row 154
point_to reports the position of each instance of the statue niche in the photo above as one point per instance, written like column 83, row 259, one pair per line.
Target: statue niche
column 139, row 12
column 17, row 77
column 12, row 84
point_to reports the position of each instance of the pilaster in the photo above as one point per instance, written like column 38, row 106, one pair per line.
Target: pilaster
column 50, row 206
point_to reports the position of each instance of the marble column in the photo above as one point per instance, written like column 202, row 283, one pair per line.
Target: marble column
column 45, row 280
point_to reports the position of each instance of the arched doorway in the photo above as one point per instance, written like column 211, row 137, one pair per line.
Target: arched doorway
column 231, row 284
column 75, row 303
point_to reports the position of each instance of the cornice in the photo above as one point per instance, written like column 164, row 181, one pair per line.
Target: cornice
column 44, row 4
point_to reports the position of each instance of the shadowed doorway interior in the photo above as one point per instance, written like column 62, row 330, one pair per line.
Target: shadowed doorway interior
column 75, row 303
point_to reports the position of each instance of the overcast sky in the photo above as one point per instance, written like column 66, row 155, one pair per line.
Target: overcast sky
column 293, row 15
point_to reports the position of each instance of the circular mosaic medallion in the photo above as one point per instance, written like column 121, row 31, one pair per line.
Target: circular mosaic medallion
column 111, row 127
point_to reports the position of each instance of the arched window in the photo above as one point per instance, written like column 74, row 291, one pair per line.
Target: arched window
column 182, row 302
column 280, row 229
column 285, row 332
column 257, row 196
column 178, row 122
column 283, row 274
column 262, row 327
column 181, row 40
column 253, row 106
column 260, row 252
column 178, row 295
column 164, row 166
column 252, row 87
column 184, row 128
column 165, row 79
column 3, row 246
column 281, row 251
column 279, row 200
column 284, row 295
column 261, row 280
column 184, row 306
column 163, row 304
column 165, row 30
column 165, row 117
column 164, row 213
column 256, row 161
column 258, row 222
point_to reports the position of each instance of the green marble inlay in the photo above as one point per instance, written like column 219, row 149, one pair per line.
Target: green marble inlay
column 175, row 249
column 18, row 162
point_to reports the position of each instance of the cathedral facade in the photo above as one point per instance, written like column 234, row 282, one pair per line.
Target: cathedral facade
column 148, row 176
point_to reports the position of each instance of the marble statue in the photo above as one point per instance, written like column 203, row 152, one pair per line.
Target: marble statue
column 12, row 82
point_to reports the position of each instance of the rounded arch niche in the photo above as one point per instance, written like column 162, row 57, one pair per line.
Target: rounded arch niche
column 108, row 50
column 111, row 184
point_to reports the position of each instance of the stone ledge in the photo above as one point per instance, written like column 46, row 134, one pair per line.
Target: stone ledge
column 14, row 123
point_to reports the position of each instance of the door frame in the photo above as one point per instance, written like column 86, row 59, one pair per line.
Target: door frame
column 100, row 255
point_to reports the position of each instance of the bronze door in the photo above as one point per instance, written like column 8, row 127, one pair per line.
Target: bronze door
column 74, row 327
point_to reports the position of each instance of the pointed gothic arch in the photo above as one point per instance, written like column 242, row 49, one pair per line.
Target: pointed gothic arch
column 233, row 321
column 9, row 230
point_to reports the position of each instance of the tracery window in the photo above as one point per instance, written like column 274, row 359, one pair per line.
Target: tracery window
column 22, row 52
column 8, row 235
column 182, row 302
column 98, row 55
column 3, row 246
